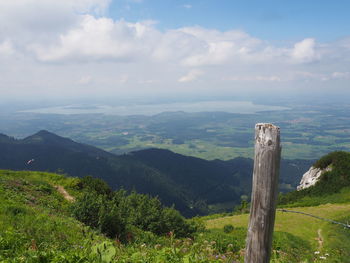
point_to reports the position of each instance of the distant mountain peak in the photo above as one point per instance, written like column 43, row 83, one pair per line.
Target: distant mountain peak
column 47, row 134
column 44, row 136
column 44, row 132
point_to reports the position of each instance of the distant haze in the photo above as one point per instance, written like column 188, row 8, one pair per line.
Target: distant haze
column 152, row 109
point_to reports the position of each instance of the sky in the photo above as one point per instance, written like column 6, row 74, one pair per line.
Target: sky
column 109, row 49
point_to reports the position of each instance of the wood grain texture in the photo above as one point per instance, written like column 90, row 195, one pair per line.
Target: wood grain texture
column 264, row 193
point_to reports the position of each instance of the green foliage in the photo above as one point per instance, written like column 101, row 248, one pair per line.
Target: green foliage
column 228, row 228
column 224, row 242
column 105, row 252
column 95, row 184
column 329, row 185
column 115, row 215
column 289, row 248
column 34, row 222
column 337, row 249
column 343, row 196
column 243, row 208
column 35, row 226
column 34, row 232
column 194, row 186
column 87, row 208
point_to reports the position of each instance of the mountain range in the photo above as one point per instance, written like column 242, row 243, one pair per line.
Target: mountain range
column 194, row 186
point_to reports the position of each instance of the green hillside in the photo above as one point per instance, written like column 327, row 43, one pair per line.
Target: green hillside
column 329, row 198
column 37, row 224
column 295, row 230
column 332, row 187
column 195, row 186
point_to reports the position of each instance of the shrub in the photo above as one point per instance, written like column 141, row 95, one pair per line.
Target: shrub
column 228, row 228
column 87, row 208
column 118, row 213
column 95, row 184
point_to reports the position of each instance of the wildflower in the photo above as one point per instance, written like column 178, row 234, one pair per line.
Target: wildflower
column 322, row 257
column 317, row 252
column 143, row 246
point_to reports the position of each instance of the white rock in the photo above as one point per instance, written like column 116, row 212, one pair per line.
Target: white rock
column 311, row 177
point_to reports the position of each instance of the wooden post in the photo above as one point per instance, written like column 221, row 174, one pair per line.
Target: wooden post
column 264, row 193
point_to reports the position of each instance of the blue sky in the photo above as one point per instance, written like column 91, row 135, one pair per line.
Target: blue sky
column 162, row 48
column 281, row 20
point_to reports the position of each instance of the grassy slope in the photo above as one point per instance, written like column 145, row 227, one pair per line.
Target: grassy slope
column 34, row 220
column 35, row 226
column 336, row 240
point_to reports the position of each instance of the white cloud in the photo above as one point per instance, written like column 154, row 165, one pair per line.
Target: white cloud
column 340, row 75
column 304, row 51
column 218, row 48
column 271, row 78
column 84, row 80
column 147, row 81
column 98, row 39
column 191, row 76
column 187, row 6
column 124, row 78
column 57, row 45
column 45, row 16
column 6, row 48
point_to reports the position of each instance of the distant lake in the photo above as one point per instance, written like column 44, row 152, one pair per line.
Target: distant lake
column 244, row 107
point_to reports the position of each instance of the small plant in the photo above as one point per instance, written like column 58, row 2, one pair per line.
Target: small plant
column 105, row 252
column 228, row 228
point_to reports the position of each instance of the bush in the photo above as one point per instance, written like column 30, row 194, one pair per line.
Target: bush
column 228, row 228
column 87, row 209
column 94, row 184
column 117, row 214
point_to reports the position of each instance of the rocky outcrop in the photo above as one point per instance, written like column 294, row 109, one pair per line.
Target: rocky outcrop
column 311, row 177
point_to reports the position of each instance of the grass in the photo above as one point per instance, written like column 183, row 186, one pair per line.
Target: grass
column 336, row 240
column 343, row 196
column 36, row 226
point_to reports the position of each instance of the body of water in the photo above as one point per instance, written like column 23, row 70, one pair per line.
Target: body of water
column 244, row 107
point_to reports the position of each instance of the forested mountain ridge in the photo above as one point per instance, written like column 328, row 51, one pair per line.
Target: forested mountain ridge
column 191, row 184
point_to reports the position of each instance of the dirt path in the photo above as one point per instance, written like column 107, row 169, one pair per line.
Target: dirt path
column 319, row 239
column 65, row 194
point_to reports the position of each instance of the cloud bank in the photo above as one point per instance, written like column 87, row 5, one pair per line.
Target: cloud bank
column 62, row 47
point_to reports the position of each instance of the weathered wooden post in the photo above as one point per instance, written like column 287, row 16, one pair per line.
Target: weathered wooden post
column 264, row 193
